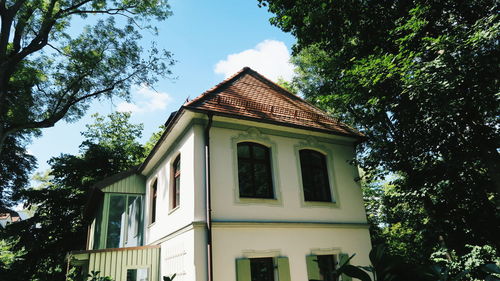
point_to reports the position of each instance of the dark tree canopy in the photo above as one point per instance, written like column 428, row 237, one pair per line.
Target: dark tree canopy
column 51, row 69
column 16, row 164
column 111, row 146
column 420, row 79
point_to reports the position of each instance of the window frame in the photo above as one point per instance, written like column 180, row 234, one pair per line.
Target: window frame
column 273, row 264
column 312, row 144
column 138, row 266
column 281, row 264
column 252, row 161
column 153, row 204
column 254, row 135
column 338, row 254
column 102, row 240
column 174, row 200
column 323, row 165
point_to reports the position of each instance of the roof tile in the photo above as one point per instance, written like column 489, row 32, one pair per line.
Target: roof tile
column 250, row 95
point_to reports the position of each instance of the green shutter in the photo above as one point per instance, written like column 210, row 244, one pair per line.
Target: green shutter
column 343, row 257
column 243, row 270
column 283, row 269
column 312, row 268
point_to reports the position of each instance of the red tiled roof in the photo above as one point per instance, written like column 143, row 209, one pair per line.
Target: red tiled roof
column 249, row 95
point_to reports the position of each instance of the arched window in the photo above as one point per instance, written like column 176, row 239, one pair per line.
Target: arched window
column 176, row 182
column 314, row 176
column 154, row 191
column 254, row 171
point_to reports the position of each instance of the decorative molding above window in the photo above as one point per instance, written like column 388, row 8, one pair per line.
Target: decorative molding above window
column 261, row 253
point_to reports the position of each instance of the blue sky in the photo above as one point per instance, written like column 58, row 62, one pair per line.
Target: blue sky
column 210, row 40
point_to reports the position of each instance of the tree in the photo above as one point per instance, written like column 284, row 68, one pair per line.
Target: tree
column 420, row 79
column 48, row 73
column 111, row 146
column 16, row 164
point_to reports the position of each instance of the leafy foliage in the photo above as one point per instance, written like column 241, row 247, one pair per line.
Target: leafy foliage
column 57, row 227
column 7, row 256
column 481, row 263
column 167, row 278
column 16, row 165
column 477, row 264
column 420, row 79
column 155, row 138
column 49, row 71
column 94, row 276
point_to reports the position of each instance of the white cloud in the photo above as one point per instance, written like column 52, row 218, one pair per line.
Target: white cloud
column 146, row 100
column 270, row 58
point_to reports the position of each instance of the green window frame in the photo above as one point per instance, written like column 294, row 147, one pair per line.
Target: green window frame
column 121, row 221
column 255, row 179
column 315, row 180
column 175, row 193
column 247, row 268
column 318, row 265
column 152, row 201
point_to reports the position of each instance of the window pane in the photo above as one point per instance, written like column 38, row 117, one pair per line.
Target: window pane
column 134, row 220
column 154, row 190
column 116, row 222
column 262, row 269
column 139, row 274
column 314, row 176
column 259, row 152
column 327, row 265
column 177, row 191
column 245, row 178
column 98, row 229
column 262, row 181
column 254, row 171
column 177, row 164
column 243, row 151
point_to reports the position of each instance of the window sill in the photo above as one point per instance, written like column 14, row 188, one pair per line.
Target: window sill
column 151, row 224
column 312, row 204
column 174, row 209
column 259, row 201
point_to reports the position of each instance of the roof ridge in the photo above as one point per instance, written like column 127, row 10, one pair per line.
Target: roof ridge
column 218, row 86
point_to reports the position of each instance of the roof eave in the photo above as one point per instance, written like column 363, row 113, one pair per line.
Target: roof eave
column 358, row 138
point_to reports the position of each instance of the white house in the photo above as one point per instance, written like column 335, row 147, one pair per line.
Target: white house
column 248, row 183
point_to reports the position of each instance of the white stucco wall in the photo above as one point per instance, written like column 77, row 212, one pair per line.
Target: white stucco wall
column 167, row 219
column 184, row 249
column 184, row 254
column 295, row 243
column 290, row 206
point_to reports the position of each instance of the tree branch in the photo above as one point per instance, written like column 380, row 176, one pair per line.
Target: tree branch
column 7, row 20
column 19, row 29
column 117, row 11
column 50, row 121
column 14, row 8
column 2, row 7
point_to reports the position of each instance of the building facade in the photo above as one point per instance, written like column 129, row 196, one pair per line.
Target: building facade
column 248, row 182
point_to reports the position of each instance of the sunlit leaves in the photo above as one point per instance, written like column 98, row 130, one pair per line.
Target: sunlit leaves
column 420, row 79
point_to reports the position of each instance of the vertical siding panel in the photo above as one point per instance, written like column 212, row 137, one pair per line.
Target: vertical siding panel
column 123, row 259
column 113, row 264
column 154, row 265
column 98, row 261
column 134, row 257
column 106, row 269
column 148, row 256
column 118, row 266
column 144, row 257
column 91, row 262
column 129, row 258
